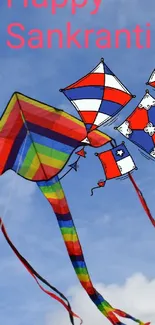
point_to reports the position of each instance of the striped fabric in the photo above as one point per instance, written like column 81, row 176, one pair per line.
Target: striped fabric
column 36, row 140
column 54, row 193
column 98, row 96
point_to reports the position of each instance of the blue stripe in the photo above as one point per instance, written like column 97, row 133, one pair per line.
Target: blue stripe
column 22, row 153
column 142, row 140
column 80, row 264
column 65, row 224
column 18, row 141
column 151, row 115
column 51, row 143
column 107, row 70
column 87, row 92
column 50, row 182
column 97, row 298
column 64, row 139
column 109, row 108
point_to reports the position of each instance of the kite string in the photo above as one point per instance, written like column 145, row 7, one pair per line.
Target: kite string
column 10, row 191
column 69, row 170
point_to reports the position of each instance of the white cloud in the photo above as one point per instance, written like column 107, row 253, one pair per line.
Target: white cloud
column 136, row 296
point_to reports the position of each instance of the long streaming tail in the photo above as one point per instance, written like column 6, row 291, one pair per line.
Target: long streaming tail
column 62, row 299
column 142, row 200
column 53, row 192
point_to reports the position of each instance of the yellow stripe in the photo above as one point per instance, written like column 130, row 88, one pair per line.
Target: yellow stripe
column 49, row 108
column 73, row 119
column 70, row 237
column 33, row 168
column 36, row 103
column 101, row 134
column 49, row 161
column 83, row 277
column 8, row 111
column 57, row 195
column 109, row 309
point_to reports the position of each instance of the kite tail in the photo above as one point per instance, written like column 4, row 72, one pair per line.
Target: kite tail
column 37, row 276
column 100, row 184
column 53, row 192
column 142, row 200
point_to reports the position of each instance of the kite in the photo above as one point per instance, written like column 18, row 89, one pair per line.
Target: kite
column 37, row 141
column 98, row 96
column 139, row 127
column 116, row 163
column 151, row 80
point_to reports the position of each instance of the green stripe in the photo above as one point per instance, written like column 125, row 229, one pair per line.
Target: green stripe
column 51, row 189
column 66, row 231
column 80, row 270
column 27, row 163
column 52, row 153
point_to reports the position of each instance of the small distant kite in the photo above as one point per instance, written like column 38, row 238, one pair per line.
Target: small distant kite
column 37, row 141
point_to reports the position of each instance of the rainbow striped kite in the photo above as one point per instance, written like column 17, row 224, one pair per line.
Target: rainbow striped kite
column 37, row 141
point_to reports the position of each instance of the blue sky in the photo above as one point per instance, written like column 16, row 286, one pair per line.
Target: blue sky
column 117, row 238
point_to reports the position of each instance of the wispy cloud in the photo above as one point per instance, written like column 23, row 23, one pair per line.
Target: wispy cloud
column 135, row 296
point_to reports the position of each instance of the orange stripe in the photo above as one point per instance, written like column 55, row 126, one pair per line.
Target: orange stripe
column 88, row 287
column 73, row 248
column 59, row 206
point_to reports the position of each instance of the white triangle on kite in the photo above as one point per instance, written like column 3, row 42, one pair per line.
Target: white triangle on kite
column 99, row 68
column 113, row 82
column 152, row 77
column 101, row 118
column 86, row 141
column 147, row 101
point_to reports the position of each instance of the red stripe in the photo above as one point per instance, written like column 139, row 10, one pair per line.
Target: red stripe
column 53, row 121
column 88, row 287
column 59, row 206
column 93, row 79
column 9, row 133
column 13, row 123
column 88, row 117
column 45, row 172
column 5, row 145
column 142, row 200
column 152, row 83
column 116, row 96
column 73, row 248
column 97, row 139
